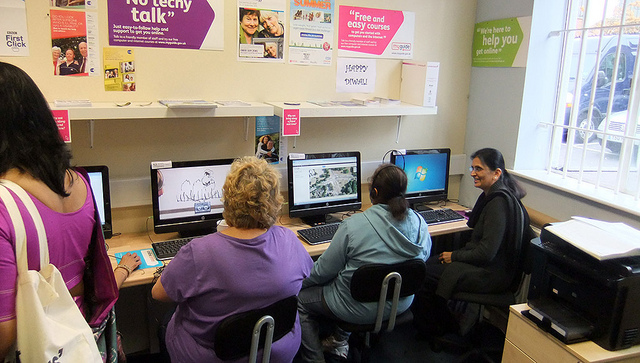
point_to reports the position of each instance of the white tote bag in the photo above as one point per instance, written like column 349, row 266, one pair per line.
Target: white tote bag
column 50, row 326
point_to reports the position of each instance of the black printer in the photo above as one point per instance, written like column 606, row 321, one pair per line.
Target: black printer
column 576, row 297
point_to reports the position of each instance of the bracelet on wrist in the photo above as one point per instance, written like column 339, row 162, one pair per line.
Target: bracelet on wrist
column 126, row 273
column 126, row 268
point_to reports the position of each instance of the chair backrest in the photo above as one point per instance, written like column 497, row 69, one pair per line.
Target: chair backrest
column 370, row 283
column 239, row 335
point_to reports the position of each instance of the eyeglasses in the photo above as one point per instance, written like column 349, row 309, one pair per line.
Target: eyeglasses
column 476, row 168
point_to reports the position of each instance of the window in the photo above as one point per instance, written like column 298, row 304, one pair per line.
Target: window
column 595, row 131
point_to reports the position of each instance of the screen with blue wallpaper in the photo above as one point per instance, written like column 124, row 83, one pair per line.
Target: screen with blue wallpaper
column 427, row 173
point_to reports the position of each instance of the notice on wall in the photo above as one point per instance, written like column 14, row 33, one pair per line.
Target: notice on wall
column 261, row 31
column 291, row 122
column 119, row 69
column 268, row 146
column 185, row 24
column 74, row 4
column 356, row 75
column 13, row 28
column 74, row 39
column 311, row 39
column 501, row 43
column 64, row 126
column 378, row 33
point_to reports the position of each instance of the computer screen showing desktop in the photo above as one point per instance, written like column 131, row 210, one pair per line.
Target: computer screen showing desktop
column 99, row 180
column 186, row 195
column 427, row 174
column 323, row 183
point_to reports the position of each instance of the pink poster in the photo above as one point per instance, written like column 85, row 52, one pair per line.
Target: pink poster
column 291, row 122
column 375, row 33
column 64, row 126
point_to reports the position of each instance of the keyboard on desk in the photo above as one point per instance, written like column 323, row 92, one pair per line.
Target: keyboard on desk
column 319, row 234
column 437, row 216
column 165, row 250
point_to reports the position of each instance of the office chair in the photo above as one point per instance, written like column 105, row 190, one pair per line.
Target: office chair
column 497, row 304
column 240, row 335
column 370, row 283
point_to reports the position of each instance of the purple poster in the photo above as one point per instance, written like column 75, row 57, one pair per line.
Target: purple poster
column 185, row 24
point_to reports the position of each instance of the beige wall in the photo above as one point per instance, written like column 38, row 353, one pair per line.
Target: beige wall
column 443, row 33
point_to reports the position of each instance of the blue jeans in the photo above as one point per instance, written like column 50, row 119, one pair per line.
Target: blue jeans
column 314, row 312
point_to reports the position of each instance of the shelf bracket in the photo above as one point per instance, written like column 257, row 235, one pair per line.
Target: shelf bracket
column 91, row 134
column 398, row 129
column 246, row 128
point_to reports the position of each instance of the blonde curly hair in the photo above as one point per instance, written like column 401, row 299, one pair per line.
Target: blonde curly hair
column 251, row 194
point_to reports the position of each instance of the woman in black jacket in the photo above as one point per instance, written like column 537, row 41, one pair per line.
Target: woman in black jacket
column 490, row 261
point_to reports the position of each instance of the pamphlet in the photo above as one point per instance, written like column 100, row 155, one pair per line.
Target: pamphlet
column 72, row 103
column 233, row 103
column 187, row 103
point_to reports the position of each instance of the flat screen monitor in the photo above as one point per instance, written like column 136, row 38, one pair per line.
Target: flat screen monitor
column 186, row 195
column 323, row 183
column 427, row 174
column 99, row 180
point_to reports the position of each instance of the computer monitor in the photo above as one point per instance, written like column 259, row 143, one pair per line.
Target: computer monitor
column 99, row 180
column 323, row 183
column 427, row 174
column 186, row 195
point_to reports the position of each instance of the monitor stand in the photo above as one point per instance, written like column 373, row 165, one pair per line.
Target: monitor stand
column 419, row 207
column 191, row 233
column 317, row 220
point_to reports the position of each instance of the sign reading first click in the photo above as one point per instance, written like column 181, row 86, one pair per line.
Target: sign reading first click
column 501, row 43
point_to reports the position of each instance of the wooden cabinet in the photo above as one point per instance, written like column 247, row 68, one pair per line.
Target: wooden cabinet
column 526, row 343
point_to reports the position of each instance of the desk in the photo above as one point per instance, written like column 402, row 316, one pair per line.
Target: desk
column 527, row 343
column 136, row 241
column 138, row 314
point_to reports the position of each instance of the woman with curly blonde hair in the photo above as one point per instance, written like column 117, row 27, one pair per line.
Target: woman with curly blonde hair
column 249, row 265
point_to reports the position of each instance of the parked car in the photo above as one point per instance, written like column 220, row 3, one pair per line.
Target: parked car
column 603, row 81
column 617, row 128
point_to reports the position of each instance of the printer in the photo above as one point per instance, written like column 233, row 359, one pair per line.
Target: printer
column 577, row 297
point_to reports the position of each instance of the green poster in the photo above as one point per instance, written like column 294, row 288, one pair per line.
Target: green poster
column 501, row 43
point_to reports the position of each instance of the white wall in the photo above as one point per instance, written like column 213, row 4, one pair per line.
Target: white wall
column 443, row 33
column 495, row 98
column 497, row 101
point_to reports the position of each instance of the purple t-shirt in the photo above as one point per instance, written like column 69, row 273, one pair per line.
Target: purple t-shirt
column 216, row 276
column 68, row 235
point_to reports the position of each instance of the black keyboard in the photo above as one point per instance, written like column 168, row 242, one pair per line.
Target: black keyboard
column 167, row 249
column 437, row 216
column 319, row 234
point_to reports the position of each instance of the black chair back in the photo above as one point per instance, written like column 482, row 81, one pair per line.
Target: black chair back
column 234, row 334
column 366, row 282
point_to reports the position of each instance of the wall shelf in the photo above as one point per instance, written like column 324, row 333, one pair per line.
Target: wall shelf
column 308, row 109
column 149, row 110
column 110, row 111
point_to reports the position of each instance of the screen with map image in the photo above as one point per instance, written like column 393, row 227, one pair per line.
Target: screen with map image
column 323, row 183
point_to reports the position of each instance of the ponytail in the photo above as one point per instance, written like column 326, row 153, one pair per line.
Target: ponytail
column 388, row 185
column 514, row 187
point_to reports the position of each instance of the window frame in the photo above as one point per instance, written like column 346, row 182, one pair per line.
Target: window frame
column 545, row 132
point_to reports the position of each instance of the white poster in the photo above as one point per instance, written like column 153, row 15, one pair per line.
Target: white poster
column 13, row 28
column 356, row 75
column 261, row 30
column 311, row 38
